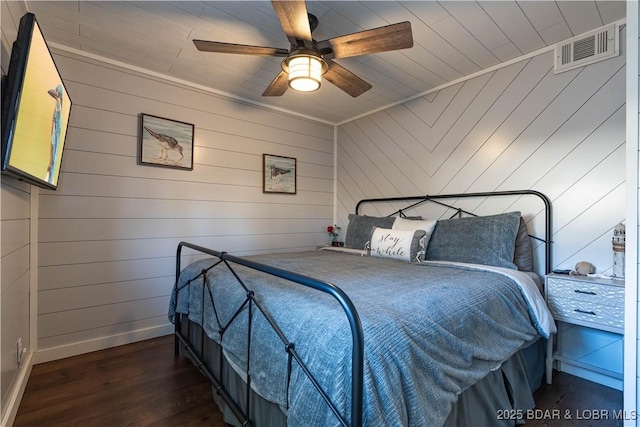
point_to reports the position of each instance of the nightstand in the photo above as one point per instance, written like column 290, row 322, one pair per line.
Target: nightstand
column 595, row 305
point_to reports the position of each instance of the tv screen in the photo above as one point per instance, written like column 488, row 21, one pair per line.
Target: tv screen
column 35, row 110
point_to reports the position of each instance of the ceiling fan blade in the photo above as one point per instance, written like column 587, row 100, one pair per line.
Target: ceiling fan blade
column 278, row 86
column 294, row 20
column 345, row 79
column 220, row 47
column 381, row 39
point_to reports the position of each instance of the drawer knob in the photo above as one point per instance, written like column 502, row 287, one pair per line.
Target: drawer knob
column 578, row 291
column 585, row 312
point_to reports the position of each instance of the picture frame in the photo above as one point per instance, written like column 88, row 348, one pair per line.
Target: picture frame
column 279, row 174
column 165, row 142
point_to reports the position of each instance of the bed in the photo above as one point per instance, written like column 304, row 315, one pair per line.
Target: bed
column 414, row 322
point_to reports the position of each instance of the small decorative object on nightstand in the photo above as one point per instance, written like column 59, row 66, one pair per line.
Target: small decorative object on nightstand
column 618, row 242
column 334, row 232
column 589, row 302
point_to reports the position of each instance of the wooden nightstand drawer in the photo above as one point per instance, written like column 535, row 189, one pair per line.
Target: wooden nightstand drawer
column 579, row 290
column 611, row 316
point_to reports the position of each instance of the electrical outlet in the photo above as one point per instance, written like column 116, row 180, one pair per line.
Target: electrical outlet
column 19, row 351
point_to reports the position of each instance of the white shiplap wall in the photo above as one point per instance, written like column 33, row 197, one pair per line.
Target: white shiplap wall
column 516, row 127
column 14, row 280
column 108, row 236
column 15, row 255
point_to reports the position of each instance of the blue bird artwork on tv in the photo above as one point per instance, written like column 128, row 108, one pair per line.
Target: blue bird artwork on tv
column 56, row 126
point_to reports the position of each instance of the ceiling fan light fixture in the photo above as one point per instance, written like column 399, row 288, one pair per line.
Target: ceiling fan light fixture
column 305, row 71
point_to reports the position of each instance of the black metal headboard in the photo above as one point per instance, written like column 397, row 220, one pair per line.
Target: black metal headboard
column 437, row 199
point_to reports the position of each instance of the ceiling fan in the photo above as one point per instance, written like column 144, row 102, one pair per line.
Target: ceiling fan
column 307, row 59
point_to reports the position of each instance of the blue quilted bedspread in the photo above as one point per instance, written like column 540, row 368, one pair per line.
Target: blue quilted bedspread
column 430, row 332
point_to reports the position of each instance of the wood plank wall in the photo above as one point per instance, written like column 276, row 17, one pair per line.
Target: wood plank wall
column 518, row 127
column 15, row 216
column 108, row 236
column 14, row 260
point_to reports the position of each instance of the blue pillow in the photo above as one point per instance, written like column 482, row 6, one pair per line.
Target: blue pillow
column 487, row 240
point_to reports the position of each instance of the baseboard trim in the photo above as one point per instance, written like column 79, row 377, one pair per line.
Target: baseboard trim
column 17, row 391
column 586, row 374
column 50, row 354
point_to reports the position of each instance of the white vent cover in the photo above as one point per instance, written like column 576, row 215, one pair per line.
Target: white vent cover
column 587, row 48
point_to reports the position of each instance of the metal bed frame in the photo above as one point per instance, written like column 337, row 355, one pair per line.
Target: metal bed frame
column 357, row 359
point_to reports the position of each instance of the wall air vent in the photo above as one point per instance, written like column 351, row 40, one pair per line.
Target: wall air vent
column 587, row 48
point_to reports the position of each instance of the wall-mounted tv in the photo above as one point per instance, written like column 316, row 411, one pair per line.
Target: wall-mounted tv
column 35, row 110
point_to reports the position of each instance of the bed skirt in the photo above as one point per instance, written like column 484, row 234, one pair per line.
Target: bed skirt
column 486, row 403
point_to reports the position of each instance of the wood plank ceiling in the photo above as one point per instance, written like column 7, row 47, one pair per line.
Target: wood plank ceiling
column 452, row 39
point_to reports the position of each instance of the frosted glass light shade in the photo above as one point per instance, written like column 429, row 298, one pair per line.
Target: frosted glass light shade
column 305, row 72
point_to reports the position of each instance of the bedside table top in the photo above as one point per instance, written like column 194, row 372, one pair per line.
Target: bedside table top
column 587, row 279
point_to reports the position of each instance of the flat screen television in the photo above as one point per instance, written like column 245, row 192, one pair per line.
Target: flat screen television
column 35, row 110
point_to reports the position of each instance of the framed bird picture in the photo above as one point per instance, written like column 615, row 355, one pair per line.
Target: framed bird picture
column 164, row 142
column 278, row 174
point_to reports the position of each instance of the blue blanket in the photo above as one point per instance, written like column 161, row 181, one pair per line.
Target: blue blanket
column 430, row 332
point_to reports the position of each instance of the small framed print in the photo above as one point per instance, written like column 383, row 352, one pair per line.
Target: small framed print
column 164, row 142
column 278, row 174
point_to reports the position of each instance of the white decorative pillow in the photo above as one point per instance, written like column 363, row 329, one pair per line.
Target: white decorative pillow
column 406, row 245
column 416, row 224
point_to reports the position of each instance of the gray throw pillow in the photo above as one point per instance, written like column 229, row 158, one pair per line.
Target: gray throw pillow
column 360, row 227
column 487, row 240
column 523, row 256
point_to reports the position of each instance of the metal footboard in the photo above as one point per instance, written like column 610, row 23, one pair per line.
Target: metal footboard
column 357, row 358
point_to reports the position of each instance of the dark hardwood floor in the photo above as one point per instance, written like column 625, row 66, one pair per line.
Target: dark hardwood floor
column 142, row 384
column 574, row 402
